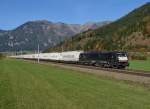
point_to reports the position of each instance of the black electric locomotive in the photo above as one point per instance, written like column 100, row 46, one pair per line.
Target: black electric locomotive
column 105, row 59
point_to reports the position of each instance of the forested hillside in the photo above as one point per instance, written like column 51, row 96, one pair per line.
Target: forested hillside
column 131, row 33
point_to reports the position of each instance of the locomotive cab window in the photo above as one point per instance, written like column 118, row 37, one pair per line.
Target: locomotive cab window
column 121, row 55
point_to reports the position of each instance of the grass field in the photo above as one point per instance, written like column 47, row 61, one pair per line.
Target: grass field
column 140, row 65
column 25, row 85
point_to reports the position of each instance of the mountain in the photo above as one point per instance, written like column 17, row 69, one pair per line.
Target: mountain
column 93, row 25
column 2, row 30
column 129, row 33
column 46, row 33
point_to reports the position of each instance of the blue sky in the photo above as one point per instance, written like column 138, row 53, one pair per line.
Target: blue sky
column 16, row 12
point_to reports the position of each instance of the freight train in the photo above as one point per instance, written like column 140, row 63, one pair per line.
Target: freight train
column 102, row 59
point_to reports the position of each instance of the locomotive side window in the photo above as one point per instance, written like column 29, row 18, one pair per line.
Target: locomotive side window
column 102, row 57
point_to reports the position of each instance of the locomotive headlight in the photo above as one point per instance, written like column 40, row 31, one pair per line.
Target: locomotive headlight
column 122, row 59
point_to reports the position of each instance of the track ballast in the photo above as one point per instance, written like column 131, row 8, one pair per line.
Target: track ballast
column 125, row 71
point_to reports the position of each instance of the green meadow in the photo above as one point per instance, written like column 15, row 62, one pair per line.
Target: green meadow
column 140, row 64
column 25, row 85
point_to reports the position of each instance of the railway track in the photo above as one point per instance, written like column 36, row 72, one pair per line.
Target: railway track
column 125, row 71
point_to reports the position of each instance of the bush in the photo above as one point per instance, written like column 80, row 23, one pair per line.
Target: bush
column 1, row 56
column 138, row 56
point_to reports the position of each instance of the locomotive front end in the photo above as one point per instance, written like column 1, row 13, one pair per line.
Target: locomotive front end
column 122, row 59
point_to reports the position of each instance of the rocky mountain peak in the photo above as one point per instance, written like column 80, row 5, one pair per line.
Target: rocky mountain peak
column 46, row 33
